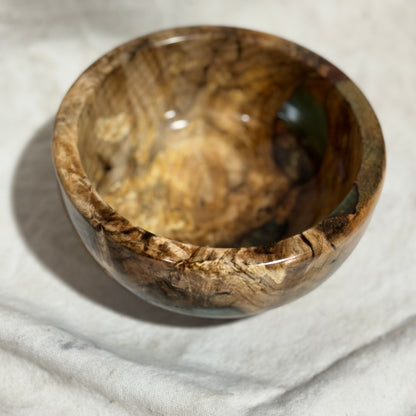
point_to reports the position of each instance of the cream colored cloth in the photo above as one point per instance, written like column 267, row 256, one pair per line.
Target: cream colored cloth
column 73, row 342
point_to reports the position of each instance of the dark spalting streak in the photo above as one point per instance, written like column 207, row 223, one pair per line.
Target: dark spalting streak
column 162, row 290
column 159, row 75
column 164, row 247
column 207, row 255
column 194, row 254
column 239, row 47
column 204, row 76
column 146, row 238
column 308, row 243
column 106, row 167
column 170, row 286
column 198, row 86
column 333, row 227
column 143, row 44
column 104, row 162
column 211, row 255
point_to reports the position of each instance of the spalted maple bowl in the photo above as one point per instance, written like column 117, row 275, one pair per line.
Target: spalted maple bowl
column 217, row 171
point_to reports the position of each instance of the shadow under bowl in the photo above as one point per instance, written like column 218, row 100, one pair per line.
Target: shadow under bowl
column 217, row 171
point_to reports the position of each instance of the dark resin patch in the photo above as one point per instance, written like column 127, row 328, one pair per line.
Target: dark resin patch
column 267, row 234
column 348, row 205
column 301, row 136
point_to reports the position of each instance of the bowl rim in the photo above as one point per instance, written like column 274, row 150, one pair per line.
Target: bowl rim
column 338, row 226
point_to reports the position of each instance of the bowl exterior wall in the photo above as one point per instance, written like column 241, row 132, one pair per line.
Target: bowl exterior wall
column 250, row 290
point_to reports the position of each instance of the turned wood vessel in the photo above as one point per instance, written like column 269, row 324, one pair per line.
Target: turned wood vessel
column 217, row 171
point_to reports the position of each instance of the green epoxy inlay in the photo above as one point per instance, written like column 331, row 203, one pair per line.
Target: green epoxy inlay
column 348, row 204
column 306, row 118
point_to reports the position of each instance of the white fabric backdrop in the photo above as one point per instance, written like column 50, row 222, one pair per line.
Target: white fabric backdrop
column 73, row 342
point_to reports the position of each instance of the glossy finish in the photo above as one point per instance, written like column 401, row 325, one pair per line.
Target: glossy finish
column 217, row 171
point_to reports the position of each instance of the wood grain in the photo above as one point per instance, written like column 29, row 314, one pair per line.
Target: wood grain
column 217, row 171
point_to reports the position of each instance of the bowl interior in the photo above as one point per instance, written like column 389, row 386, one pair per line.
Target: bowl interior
column 220, row 139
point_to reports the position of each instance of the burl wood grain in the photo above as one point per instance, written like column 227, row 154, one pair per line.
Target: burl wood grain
column 217, row 171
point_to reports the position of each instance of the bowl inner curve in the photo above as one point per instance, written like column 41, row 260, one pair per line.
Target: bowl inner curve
column 220, row 140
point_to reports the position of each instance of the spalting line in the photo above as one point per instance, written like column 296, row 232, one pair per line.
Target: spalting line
column 306, row 241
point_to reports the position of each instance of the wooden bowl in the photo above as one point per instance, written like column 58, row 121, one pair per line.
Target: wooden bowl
column 217, row 171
